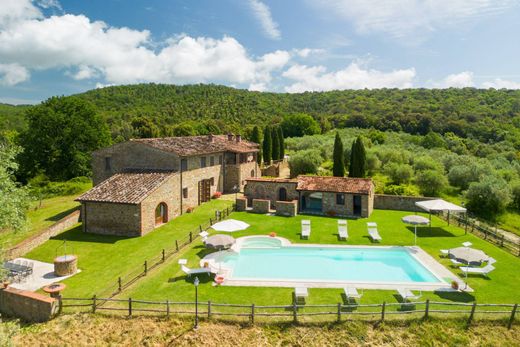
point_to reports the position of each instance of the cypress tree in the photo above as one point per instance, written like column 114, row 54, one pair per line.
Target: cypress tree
column 267, row 146
column 338, row 168
column 255, row 137
column 282, row 142
column 358, row 159
column 275, row 144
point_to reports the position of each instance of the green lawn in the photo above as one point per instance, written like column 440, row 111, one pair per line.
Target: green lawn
column 39, row 217
column 502, row 287
column 102, row 258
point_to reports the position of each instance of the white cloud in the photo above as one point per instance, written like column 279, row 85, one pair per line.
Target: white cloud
column 263, row 14
column 316, row 78
column 123, row 55
column 499, row 83
column 11, row 74
column 410, row 17
column 306, row 52
column 49, row 4
column 458, row 80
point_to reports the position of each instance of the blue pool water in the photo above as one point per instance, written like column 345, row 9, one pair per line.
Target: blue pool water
column 268, row 260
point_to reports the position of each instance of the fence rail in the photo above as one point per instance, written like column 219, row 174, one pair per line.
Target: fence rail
column 134, row 275
column 485, row 232
column 297, row 312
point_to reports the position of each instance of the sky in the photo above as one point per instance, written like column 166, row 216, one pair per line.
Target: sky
column 63, row 47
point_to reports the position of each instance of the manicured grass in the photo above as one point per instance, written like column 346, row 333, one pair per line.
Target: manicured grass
column 503, row 286
column 39, row 217
column 103, row 258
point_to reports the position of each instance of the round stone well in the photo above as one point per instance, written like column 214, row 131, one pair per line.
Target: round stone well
column 65, row 265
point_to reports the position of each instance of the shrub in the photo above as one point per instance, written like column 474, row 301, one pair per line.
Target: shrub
column 305, row 162
column 406, row 190
column 399, row 173
column 515, row 192
column 489, row 197
column 300, row 124
column 427, row 163
column 462, row 175
column 190, row 209
column 431, row 182
column 216, row 195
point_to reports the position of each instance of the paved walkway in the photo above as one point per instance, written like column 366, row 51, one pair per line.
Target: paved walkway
column 43, row 274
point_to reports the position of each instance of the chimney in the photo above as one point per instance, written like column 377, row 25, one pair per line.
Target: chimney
column 210, row 138
column 239, row 138
column 230, row 137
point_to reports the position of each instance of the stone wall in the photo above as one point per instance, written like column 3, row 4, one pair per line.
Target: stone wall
column 241, row 204
column 261, row 206
column 287, row 208
column 277, row 169
column 237, row 174
column 130, row 155
column 169, row 193
column 29, row 306
column 190, row 180
column 43, row 236
column 330, row 208
column 270, row 190
column 111, row 219
column 398, row 202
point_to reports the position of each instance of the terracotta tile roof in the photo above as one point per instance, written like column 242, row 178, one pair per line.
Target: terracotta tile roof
column 126, row 188
column 335, row 184
column 274, row 180
column 194, row 145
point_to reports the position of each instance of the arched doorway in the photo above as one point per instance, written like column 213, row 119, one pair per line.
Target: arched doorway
column 161, row 213
column 282, row 194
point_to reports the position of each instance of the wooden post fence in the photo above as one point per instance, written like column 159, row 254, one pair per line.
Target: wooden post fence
column 512, row 318
column 145, row 267
column 163, row 255
column 176, row 245
column 383, row 308
column 191, row 237
column 209, row 309
column 167, row 308
column 295, row 311
column 119, row 284
column 130, row 307
column 252, row 313
column 94, row 304
column 427, row 309
column 339, row 312
column 472, row 313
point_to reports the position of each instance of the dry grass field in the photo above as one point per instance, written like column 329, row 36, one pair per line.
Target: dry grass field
column 99, row 330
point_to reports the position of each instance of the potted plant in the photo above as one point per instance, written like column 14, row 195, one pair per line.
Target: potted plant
column 217, row 195
column 272, row 234
column 455, row 285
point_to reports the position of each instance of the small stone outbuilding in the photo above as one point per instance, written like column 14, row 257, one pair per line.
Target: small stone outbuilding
column 333, row 196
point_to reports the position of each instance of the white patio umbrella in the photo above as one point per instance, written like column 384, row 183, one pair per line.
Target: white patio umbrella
column 415, row 220
column 468, row 256
column 220, row 241
column 230, row 225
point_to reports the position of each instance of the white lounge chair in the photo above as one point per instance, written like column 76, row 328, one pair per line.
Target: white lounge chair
column 374, row 235
column 467, row 244
column 407, row 295
column 306, row 229
column 352, row 294
column 445, row 252
column 198, row 271
column 372, row 224
column 477, row 270
column 342, row 229
column 204, row 235
column 456, row 262
column 300, row 293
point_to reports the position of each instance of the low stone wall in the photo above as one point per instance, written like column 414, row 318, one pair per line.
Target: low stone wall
column 397, row 202
column 287, row 208
column 29, row 306
column 241, row 204
column 43, row 236
column 261, row 206
column 277, row 169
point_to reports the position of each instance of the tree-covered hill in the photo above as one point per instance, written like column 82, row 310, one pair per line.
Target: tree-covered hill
column 12, row 117
column 486, row 115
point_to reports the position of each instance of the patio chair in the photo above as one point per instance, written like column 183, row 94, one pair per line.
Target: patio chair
column 198, row 271
column 306, row 229
column 352, row 294
column 204, row 235
column 300, row 294
column 407, row 295
column 456, row 262
column 374, row 234
column 445, row 252
column 477, row 270
column 467, row 244
column 342, row 229
column 372, row 224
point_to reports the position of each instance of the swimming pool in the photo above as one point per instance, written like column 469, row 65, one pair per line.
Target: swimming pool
column 275, row 260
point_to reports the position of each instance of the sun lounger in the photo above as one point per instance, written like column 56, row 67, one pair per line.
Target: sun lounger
column 342, row 229
column 372, row 224
column 306, row 229
column 467, row 244
column 204, row 235
column 477, row 270
column 456, row 262
column 300, row 293
column 198, row 271
column 374, row 235
column 445, row 252
column 407, row 295
column 352, row 294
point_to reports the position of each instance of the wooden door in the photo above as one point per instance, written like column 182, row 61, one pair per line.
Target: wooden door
column 204, row 191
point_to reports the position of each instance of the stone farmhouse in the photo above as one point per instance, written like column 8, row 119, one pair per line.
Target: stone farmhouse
column 338, row 196
column 143, row 183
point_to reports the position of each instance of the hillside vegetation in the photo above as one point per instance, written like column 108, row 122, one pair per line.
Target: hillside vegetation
column 486, row 115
